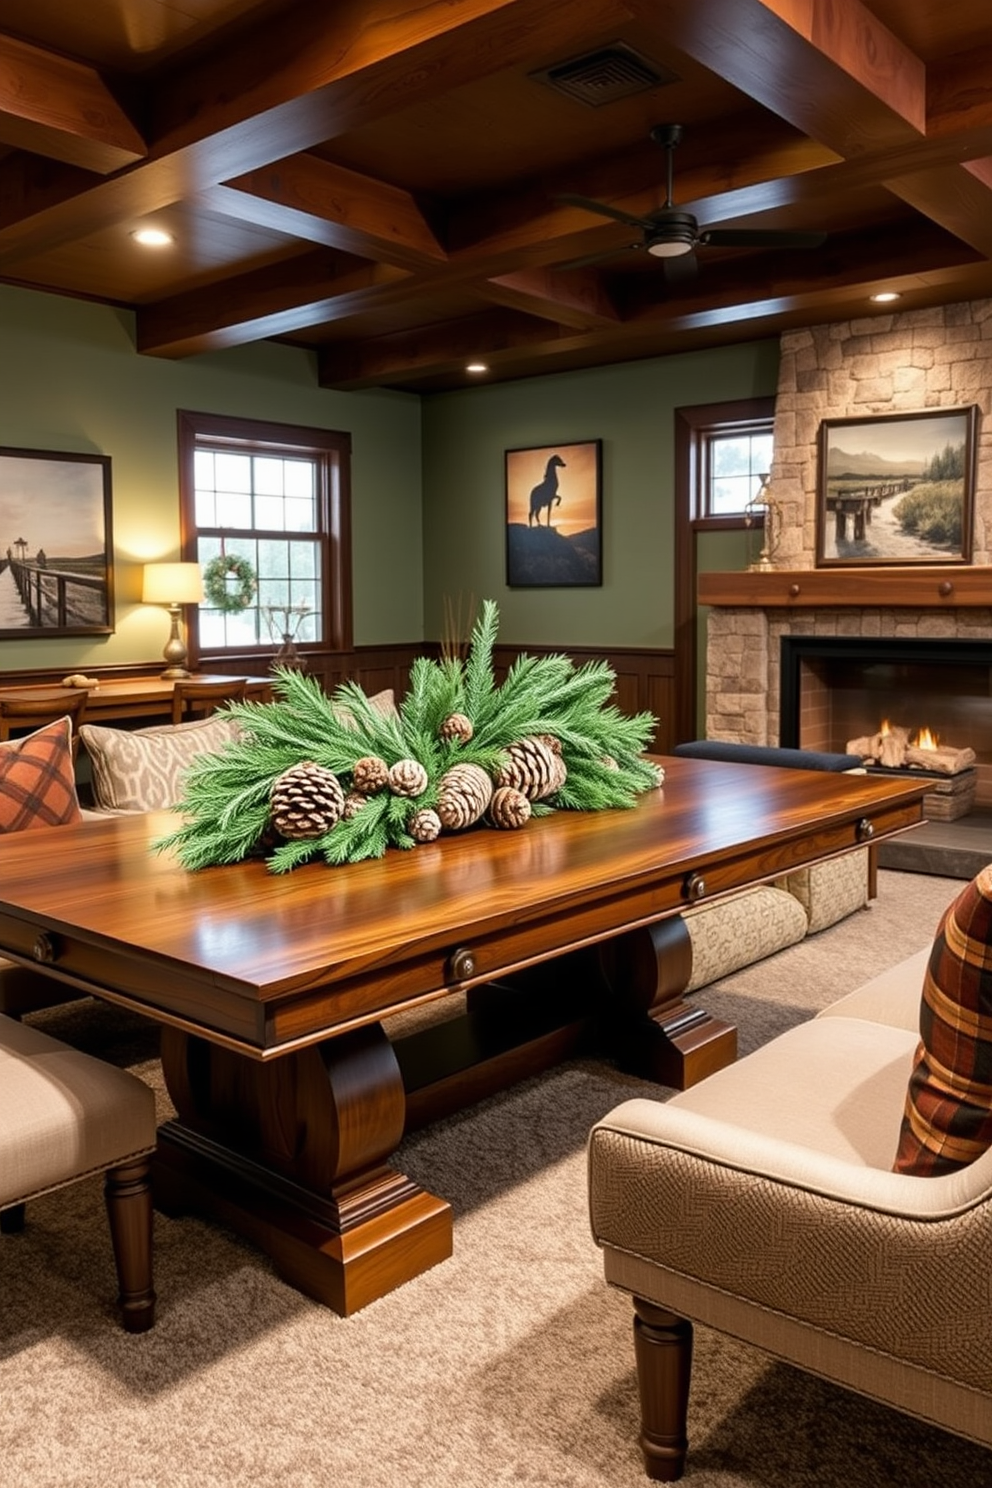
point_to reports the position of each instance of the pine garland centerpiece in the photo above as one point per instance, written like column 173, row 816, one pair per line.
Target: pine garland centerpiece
column 333, row 777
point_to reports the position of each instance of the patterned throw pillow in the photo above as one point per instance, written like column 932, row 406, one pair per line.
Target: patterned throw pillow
column 143, row 769
column 37, row 780
column 947, row 1121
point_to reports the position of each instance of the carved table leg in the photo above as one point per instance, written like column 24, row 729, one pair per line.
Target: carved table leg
column 653, row 1032
column 290, row 1153
column 663, row 1350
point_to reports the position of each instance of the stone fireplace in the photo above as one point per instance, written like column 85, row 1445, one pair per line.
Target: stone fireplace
column 939, row 617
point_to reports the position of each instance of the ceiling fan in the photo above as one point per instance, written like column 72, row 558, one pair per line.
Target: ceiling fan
column 673, row 235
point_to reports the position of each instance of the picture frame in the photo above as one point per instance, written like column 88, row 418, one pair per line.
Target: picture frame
column 896, row 488
column 554, row 515
column 56, row 545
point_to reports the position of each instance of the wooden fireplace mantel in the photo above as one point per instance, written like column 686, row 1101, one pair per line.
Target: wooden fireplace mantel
column 944, row 587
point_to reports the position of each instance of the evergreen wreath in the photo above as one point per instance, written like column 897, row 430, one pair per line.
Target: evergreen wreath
column 215, row 588
column 317, row 776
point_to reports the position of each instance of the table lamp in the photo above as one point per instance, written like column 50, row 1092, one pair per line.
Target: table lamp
column 173, row 584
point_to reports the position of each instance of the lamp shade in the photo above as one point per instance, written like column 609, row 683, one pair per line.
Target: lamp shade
column 172, row 583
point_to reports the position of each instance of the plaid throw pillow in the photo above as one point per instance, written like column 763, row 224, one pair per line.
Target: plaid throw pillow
column 947, row 1121
column 37, row 780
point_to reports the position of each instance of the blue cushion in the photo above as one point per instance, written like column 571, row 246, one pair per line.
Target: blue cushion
column 763, row 754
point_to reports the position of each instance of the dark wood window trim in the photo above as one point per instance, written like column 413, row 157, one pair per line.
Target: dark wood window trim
column 691, row 424
column 335, row 503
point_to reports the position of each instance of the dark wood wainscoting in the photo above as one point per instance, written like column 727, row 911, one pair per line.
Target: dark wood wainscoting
column 645, row 679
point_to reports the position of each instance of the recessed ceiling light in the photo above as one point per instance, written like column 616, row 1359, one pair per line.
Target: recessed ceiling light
column 884, row 296
column 477, row 367
column 152, row 237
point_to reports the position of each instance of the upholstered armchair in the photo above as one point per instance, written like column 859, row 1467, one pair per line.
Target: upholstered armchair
column 763, row 1202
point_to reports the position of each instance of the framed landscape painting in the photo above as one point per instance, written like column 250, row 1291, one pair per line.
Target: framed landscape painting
column 897, row 488
column 554, row 515
column 56, row 571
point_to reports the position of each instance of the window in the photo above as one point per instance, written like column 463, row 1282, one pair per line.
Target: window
column 733, row 461
column 276, row 496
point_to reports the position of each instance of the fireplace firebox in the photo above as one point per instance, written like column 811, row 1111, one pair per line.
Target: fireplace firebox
column 835, row 689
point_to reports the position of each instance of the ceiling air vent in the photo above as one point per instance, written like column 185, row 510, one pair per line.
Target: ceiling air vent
column 616, row 71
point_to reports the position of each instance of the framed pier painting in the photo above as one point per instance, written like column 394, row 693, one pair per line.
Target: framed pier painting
column 554, row 515
column 897, row 488
column 56, row 550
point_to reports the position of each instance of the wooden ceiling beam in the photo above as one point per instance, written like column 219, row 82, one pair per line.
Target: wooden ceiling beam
column 575, row 299
column 274, row 301
column 324, row 203
column 861, row 89
column 439, row 349
column 727, row 292
column 297, row 80
column 308, row 74
column 63, row 109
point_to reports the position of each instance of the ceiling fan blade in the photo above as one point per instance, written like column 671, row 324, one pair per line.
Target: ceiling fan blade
column 605, row 210
column 758, row 237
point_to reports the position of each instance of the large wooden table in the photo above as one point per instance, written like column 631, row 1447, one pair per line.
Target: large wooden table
column 272, row 991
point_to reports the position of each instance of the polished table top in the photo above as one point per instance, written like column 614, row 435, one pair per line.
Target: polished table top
column 264, row 964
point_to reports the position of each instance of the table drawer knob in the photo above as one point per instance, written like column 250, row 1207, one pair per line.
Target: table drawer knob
column 695, row 887
column 865, row 830
column 461, row 966
column 45, row 948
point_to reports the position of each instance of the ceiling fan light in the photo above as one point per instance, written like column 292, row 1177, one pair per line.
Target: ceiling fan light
column 670, row 247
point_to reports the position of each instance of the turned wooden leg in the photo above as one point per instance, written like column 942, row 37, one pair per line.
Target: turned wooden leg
column 651, row 1031
column 663, row 1350
column 128, row 1195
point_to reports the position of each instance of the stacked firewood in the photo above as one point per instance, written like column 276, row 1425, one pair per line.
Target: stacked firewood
column 891, row 747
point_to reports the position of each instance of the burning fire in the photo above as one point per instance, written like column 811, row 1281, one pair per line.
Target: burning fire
column 925, row 738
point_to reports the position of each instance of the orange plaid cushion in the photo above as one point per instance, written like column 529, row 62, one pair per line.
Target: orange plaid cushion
column 37, row 780
column 947, row 1121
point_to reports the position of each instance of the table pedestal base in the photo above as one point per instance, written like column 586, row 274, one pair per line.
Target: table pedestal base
column 650, row 1030
column 343, row 1252
column 292, row 1153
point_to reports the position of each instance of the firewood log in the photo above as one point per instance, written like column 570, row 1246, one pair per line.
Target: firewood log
column 945, row 761
column 892, row 752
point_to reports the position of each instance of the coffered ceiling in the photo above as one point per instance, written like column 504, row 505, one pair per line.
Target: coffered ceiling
column 382, row 181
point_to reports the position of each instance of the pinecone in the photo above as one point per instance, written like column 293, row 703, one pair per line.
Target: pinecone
column 407, row 778
column 463, row 794
column 353, row 803
column 369, row 774
column 608, row 762
column 456, row 726
column 531, row 767
column 306, row 801
column 508, row 808
column 424, row 825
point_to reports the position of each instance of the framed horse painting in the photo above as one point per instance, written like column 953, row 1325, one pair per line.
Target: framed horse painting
column 554, row 515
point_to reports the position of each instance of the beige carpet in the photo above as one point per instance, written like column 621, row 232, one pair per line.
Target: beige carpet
column 509, row 1364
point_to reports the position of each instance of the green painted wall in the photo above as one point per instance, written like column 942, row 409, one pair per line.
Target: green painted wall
column 71, row 380
column 630, row 408
column 428, row 494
